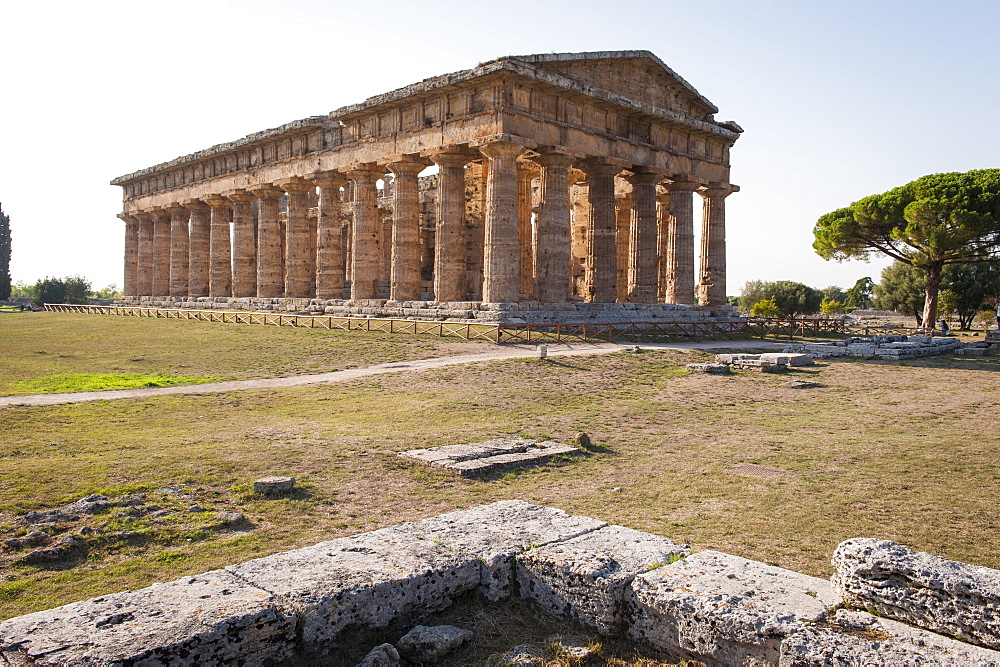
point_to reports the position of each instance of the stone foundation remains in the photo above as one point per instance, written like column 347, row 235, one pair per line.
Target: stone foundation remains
column 892, row 346
column 460, row 311
column 483, row 458
column 709, row 606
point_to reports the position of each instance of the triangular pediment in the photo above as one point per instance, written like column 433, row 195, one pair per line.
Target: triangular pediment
column 637, row 75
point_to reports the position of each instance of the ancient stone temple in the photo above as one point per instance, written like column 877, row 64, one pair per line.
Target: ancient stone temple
column 553, row 187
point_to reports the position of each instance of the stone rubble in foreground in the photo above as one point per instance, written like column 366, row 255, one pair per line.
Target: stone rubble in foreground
column 711, row 607
column 890, row 346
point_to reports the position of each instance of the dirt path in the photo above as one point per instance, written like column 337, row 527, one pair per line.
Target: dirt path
column 505, row 352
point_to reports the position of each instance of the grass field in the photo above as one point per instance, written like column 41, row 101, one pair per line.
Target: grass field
column 40, row 346
column 904, row 450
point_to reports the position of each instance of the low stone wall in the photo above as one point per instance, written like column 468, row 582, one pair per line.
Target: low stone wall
column 710, row 606
column 892, row 347
column 460, row 311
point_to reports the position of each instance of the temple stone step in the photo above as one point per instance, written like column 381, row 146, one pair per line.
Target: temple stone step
column 479, row 458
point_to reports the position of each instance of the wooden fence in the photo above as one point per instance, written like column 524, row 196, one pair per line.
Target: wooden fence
column 501, row 333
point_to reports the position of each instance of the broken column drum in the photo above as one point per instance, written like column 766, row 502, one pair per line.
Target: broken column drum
column 264, row 216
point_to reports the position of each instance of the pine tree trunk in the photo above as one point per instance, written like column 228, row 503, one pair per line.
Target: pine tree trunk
column 933, row 273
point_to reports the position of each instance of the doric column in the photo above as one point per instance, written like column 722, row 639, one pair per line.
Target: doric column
column 680, row 243
column 244, row 244
column 404, row 281
column 662, row 236
column 220, row 257
column 179, row 250
column 329, row 248
column 298, row 277
column 144, row 270
column 552, row 242
column 642, row 238
column 161, row 252
column 200, row 245
column 623, row 223
column 270, row 262
column 712, row 287
column 525, row 242
column 365, row 251
column 449, row 237
column 603, row 253
column 131, row 254
column 500, row 265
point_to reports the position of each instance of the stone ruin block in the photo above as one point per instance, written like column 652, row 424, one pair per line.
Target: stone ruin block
column 494, row 534
column 584, row 579
column 722, row 609
column 788, row 358
column 211, row 618
column 711, row 369
column 364, row 581
column 859, row 638
column 915, row 587
column 497, row 455
column 974, row 351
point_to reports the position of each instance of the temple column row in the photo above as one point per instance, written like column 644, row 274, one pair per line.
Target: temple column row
column 187, row 249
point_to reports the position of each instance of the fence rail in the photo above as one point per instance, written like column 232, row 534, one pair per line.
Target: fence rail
column 500, row 333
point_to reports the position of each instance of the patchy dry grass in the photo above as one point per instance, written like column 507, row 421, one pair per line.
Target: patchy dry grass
column 904, row 451
column 40, row 346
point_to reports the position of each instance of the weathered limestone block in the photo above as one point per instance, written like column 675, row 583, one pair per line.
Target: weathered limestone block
column 723, row 609
column 473, row 459
column 274, row 485
column 383, row 655
column 494, row 534
column 362, row 581
column 787, row 359
column 858, row 638
column 915, row 587
column 209, row 619
column 585, row 578
column 712, row 369
column 431, row 643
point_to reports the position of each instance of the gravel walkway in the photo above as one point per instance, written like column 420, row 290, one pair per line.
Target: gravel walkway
column 504, row 352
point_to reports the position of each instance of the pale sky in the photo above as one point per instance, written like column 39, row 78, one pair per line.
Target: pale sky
column 838, row 99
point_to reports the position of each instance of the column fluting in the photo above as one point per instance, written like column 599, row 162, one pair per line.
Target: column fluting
column 552, row 244
column 680, row 243
column 642, row 238
column 603, row 252
column 130, row 284
column 712, row 287
column 449, row 236
column 365, row 256
column 244, row 244
column 329, row 234
column 270, row 261
column 404, row 280
column 500, row 252
column 199, row 244
column 161, row 252
column 298, row 247
column 179, row 250
column 144, row 269
column 220, row 254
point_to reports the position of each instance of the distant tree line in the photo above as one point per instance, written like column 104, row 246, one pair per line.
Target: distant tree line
column 71, row 289
column 965, row 291
column 4, row 255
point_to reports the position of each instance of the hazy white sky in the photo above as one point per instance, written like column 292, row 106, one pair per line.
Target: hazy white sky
column 838, row 99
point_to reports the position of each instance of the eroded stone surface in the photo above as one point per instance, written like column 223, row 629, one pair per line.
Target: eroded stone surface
column 497, row 532
column 479, row 458
column 383, row 655
column 275, row 485
column 362, row 581
column 584, row 579
column 916, row 587
column 858, row 638
column 723, row 609
column 211, row 618
column 431, row 643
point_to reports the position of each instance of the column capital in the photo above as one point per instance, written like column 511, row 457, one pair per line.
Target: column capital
column 680, row 183
column 554, row 159
column 160, row 212
column 194, row 205
column 127, row 218
column 599, row 168
column 142, row 216
column 407, row 166
column 365, row 173
column 718, row 190
column 451, row 159
column 644, row 177
column 502, row 148
column 238, row 196
column 295, row 184
column 328, row 179
column 177, row 209
column 216, row 201
column 266, row 191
